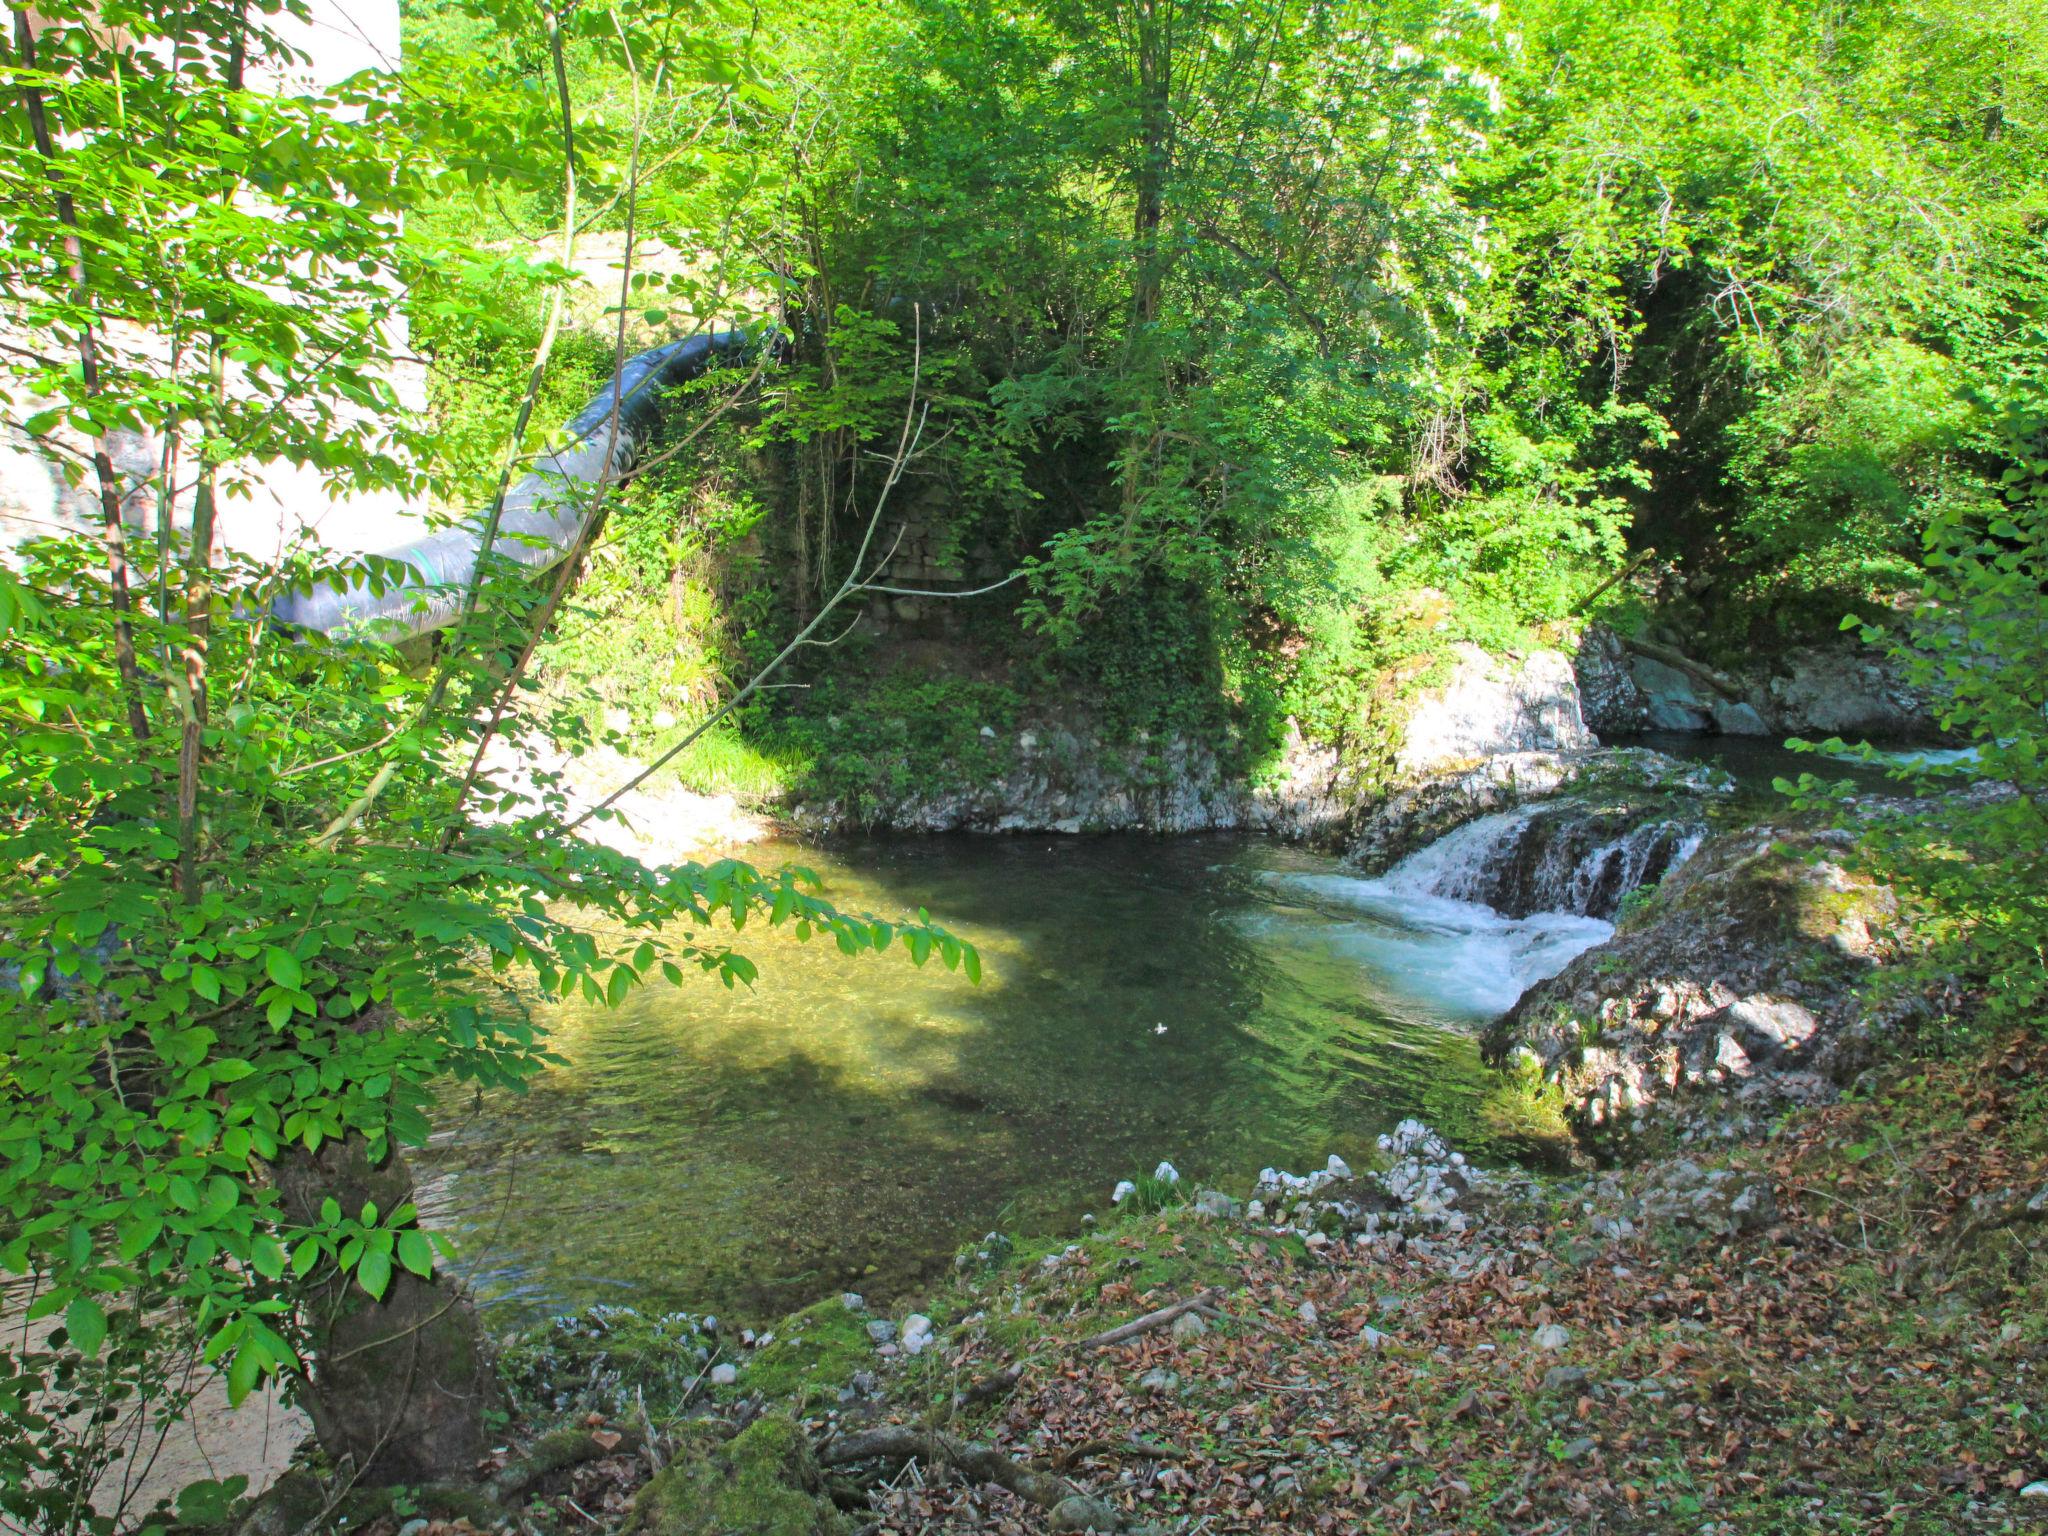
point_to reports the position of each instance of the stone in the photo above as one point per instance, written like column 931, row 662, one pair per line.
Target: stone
column 1561, row 1377
column 664, row 719
column 853, row 1301
column 1551, row 1336
column 1307, row 1310
column 1768, row 1026
column 1373, row 1338
column 2035, row 1491
column 1489, row 707
column 1337, row 1168
column 1671, row 700
column 917, row 1334
column 1609, row 701
column 619, row 720
column 882, row 1331
column 1579, row 1449
column 1732, row 718
column 1159, row 1381
column 724, row 1374
column 1166, row 1173
column 1123, row 1191
column 1081, row 1513
column 1215, row 1204
column 1187, row 1326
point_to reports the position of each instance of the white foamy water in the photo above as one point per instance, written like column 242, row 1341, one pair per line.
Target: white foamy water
column 1459, row 957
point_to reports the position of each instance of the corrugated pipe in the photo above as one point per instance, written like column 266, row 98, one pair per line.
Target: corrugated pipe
column 543, row 511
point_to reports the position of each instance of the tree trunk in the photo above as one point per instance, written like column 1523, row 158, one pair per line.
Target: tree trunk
column 401, row 1386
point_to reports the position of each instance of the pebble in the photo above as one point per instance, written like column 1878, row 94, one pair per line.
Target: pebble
column 724, row 1374
column 1374, row 1339
column 917, row 1333
column 1308, row 1314
column 882, row 1331
column 1552, row 1336
column 853, row 1301
column 1123, row 1191
column 1579, row 1449
column 2035, row 1491
column 1166, row 1173
column 1558, row 1377
column 1188, row 1326
column 1158, row 1381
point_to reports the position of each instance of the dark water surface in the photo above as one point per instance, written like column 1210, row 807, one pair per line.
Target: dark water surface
column 1222, row 1002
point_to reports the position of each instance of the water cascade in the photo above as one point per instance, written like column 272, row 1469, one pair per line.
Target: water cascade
column 1558, row 857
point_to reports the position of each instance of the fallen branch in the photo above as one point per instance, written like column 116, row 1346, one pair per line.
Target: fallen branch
column 554, row 1453
column 899, row 1442
column 1720, row 682
column 1203, row 1301
column 979, row 1392
column 1144, row 1449
column 1250, row 1322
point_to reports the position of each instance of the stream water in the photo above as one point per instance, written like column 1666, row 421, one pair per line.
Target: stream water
column 1225, row 1003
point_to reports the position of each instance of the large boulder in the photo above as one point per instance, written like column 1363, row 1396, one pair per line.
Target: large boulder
column 1490, row 706
column 1746, row 974
column 1611, row 702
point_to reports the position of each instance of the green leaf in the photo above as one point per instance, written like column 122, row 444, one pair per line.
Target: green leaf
column 283, row 968
column 266, row 1257
column 86, row 1324
column 416, row 1253
column 373, row 1274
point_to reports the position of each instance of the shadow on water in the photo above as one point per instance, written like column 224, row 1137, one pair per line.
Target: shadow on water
column 848, row 1122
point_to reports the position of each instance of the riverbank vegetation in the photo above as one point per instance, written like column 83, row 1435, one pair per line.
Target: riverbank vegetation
column 1190, row 376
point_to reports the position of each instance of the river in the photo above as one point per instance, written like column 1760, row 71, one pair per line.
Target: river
column 1224, row 1003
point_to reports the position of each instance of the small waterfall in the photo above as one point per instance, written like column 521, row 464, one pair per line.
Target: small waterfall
column 1556, row 857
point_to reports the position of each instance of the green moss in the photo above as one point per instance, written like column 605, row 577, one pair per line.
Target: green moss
column 815, row 1353
column 763, row 1482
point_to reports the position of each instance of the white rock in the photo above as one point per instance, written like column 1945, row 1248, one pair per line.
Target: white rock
column 724, row 1374
column 1552, row 1336
column 853, row 1301
column 1374, row 1339
column 1308, row 1314
column 917, row 1333
column 1123, row 1191
column 2035, row 1491
column 663, row 719
column 1337, row 1167
column 1166, row 1173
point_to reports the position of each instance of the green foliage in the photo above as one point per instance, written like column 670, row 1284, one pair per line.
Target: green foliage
column 871, row 750
column 1979, row 642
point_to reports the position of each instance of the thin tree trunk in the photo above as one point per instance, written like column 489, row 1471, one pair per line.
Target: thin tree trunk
column 113, row 531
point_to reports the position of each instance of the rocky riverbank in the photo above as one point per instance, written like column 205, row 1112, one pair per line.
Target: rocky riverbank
column 1756, row 1333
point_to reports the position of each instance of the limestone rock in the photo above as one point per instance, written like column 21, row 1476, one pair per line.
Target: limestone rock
column 1489, row 707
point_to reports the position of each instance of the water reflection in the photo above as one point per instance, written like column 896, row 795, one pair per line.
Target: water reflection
column 851, row 1121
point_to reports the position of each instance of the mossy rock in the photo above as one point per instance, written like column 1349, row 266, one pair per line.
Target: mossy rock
column 815, row 1353
column 762, row 1482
